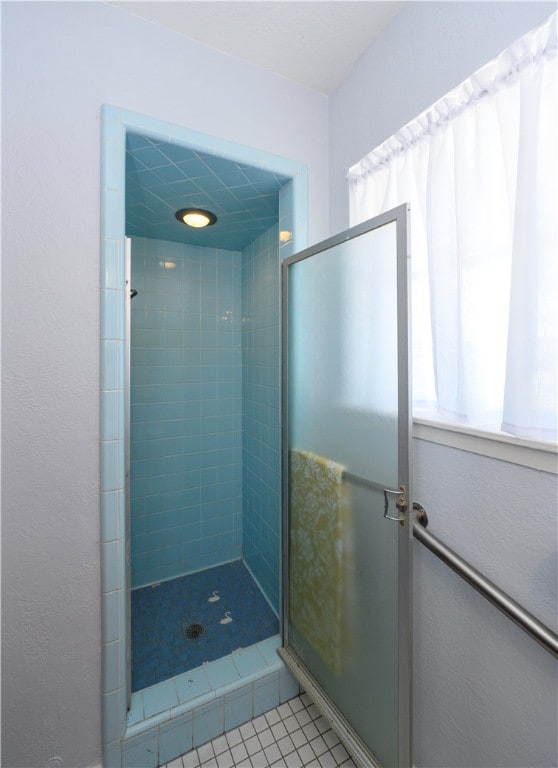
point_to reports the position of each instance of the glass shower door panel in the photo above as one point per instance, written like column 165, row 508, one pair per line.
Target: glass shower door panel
column 343, row 449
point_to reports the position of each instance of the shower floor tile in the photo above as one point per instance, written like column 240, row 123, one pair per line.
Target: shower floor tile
column 178, row 625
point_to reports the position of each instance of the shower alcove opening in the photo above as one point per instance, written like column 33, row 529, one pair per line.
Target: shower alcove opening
column 190, row 448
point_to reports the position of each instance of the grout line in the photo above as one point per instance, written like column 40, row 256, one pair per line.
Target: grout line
column 267, row 742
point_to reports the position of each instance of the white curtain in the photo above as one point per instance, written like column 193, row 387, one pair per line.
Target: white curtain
column 480, row 170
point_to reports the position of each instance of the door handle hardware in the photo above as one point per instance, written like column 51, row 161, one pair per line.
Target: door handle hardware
column 402, row 504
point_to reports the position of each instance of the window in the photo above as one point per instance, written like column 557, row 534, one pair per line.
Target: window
column 480, row 170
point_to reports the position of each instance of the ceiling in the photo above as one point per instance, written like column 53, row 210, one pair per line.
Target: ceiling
column 162, row 178
column 313, row 42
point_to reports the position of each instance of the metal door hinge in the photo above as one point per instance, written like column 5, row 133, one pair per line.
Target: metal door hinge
column 402, row 504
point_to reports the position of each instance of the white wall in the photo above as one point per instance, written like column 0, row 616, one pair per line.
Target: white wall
column 485, row 693
column 427, row 49
column 61, row 62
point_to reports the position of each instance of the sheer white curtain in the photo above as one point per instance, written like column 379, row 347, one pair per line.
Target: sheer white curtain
column 480, row 170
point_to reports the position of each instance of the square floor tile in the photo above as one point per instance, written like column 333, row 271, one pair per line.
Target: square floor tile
column 259, row 744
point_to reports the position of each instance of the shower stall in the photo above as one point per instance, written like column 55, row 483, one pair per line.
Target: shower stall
column 203, row 449
column 189, row 449
column 241, row 378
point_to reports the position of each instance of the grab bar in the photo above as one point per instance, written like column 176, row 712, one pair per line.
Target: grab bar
column 528, row 623
column 507, row 605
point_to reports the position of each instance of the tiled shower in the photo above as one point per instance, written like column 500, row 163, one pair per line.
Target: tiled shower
column 204, row 413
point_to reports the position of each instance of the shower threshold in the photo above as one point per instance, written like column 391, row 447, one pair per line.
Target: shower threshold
column 185, row 695
column 170, row 718
column 205, row 683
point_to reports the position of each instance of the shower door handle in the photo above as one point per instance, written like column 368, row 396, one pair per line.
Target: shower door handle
column 402, row 505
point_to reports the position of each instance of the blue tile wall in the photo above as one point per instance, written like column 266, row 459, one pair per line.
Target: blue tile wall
column 261, row 411
column 205, row 409
column 186, row 404
column 287, row 221
column 175, row 738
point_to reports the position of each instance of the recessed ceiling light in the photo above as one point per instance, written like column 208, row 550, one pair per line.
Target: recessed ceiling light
column 196, row 217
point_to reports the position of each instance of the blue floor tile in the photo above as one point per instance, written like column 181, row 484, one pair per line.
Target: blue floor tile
column 249, row 661
column 222, row 672
column 192, row 684
column 161, row 616
column 158, row 699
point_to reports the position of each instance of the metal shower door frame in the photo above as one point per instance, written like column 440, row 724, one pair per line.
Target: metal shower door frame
column 127, row 450
column 358, row 750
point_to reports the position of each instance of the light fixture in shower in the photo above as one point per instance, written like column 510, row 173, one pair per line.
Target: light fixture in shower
column 196, row 217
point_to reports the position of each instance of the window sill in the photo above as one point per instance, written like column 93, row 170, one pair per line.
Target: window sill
column 528, row 453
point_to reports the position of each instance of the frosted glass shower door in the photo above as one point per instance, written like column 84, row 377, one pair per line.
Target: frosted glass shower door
column 346, row 526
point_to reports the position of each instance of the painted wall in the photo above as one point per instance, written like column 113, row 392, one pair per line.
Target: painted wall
column 485, row 694
column 261, row 410
column 185, row 409
column 61, row 62
column 426, row 50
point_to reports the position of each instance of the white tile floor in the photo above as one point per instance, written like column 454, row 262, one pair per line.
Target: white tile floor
column 294, row 735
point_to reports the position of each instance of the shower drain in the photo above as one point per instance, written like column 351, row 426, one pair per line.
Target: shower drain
column 193, row 631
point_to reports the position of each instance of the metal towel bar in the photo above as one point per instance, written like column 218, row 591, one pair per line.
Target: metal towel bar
column 362, row 481
column 534, row 628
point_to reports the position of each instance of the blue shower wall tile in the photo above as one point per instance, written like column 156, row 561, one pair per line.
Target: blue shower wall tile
column 261, row 410
column 248, row 661
column 286, row 220
column 159, row 697
column 186, row 373
column 112, row 315
column 208, row 722
column 135, row 713
column 111, row 715
column 110, row 562
column 222, row 672
column 111, row 264
column 175, row 738
column 266, row 694
column 288, row 686
column 110, row 517
column 110, row 465
column 112, row 754
column 111, row 627
column 111, row 666
column 141, row 751
column 110, row 365
column 239, row 707
column 192, row 684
